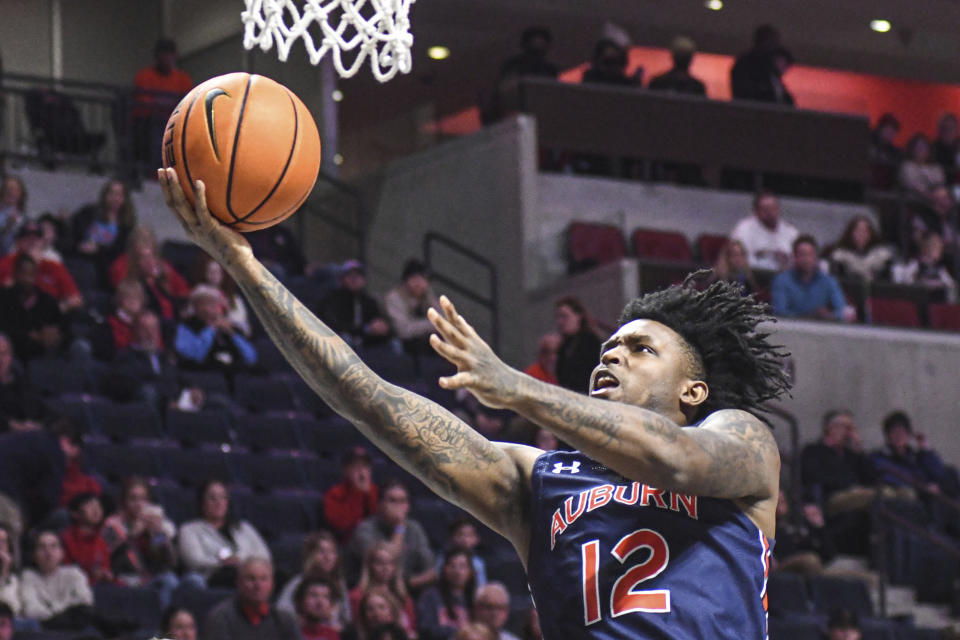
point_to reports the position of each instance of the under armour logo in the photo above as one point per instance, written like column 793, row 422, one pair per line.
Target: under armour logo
column 559, row 467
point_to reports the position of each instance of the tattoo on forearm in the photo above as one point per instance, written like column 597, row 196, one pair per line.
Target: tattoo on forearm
column 424, row 437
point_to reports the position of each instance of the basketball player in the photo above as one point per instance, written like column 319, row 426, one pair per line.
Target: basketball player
column 658, row 526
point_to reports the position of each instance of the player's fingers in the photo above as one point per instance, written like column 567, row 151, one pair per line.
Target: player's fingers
column 446, row 350
column 168, row 198
column 178, row 200
column 444, row 328
column 456, row 319
column 458, row 381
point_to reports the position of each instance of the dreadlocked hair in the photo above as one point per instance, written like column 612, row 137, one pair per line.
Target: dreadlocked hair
column 719, row 324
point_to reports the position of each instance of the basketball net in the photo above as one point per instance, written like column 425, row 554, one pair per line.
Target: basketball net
column 352, row 30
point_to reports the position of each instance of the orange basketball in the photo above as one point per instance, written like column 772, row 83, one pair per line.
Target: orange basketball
column 251, row 141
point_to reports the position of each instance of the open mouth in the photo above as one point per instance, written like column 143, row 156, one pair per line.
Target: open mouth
column 604, row 381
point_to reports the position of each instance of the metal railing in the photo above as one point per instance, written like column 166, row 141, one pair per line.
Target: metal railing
column 339, row 206
column 490, row 302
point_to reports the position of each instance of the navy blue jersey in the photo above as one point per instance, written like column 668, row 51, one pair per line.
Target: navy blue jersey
column 612, row 558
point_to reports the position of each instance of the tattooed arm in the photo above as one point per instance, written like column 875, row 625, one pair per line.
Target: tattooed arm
column 490, row 480
column 732, row 454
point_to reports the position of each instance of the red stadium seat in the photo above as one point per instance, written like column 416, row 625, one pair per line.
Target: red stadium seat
column 709, row 246
column 661, row 245
column 893, row 312
column 945, row 316
column 590, row 245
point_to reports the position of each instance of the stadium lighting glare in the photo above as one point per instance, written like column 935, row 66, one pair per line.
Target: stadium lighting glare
column 337, row 95
column 880, row 26
column 438, row 53
column 337, row 159
column 713, row 5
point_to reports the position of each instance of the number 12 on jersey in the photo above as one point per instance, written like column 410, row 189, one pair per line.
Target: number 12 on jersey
column 623, row 598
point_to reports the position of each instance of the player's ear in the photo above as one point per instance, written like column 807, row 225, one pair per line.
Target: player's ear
column 694, row 393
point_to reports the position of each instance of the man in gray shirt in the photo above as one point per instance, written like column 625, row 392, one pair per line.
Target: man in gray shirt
column 390, row 524
column 250, row 616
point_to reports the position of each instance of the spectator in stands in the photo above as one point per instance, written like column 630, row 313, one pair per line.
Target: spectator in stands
column 884, row 151
column 545, row 440
column 381, row 571
column 9, row 582
column 838, row 479
column 347, row 503
column 100, row 230
column 322, row 561
column 128, row 302
column 51, row 237
column 900, row 465
column 766, row 237
column 6, row 615
column 58, row 596
column 928, row 270
column 213, row 546
column 545, row 367
column 939, row 215
column 31, row 318
column 475, row 631
column 209, row 272
column 578, row 352
column 352, row 312
column 146, row 370
column 609, row 65
column 316, row 610
column 83, row 541
column 140, row 539
column 406, row 536
column 13, row 204
column 444, row 608
column 804, row 291
column 249, row 615
column 407, row 305
column 76, row 480
column 842, row 624
column 802, row 544
column 160, row 86
column 21, row 408
column 208, row 340
column 52, row 277
column 758, row 74
column 164, row 287
column 732, row 265
column 462, row 536
column 278, row 250
column 535, row 43
column 919, row 173
column 179, row 624
column 678, row 79
column 378, row 608
column 860, row 253
column 492, row 609
column 947, row 146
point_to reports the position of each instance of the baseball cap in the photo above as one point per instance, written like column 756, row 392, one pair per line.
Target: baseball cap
column 352, row 265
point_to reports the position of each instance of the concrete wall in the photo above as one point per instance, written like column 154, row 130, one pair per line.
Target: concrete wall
column 630, row 205
column 475, row 190
column 25, row 36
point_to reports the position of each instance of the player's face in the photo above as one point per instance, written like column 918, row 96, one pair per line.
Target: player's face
column 642, row 364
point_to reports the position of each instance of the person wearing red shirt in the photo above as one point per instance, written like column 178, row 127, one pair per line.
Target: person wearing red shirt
column 52, row 277
column 545, row 368
column 160, row 86
column 163, row 286
column 316, row 610
column 354, row 498
column 83, row 543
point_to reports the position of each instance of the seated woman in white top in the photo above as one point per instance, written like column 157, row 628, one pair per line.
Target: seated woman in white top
column 50, row 590
column 213, row 546
column 860, row 253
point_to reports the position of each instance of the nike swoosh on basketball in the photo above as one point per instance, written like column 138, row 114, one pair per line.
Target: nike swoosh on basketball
column 212, row 95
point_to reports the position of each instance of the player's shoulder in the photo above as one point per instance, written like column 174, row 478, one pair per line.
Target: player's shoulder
column 740, row 424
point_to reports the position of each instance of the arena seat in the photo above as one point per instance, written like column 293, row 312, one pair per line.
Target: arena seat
column 116, row 462
column 179, row 503
column 131, row 421
column 944, row 316
column 661, row 245
column 787, row 594
column 287, row 552
column 182, row 255
column 193, row 467
column 83, row 409
column 590, row 245
column 56, row 376
column 133, row 603
column 262, row 393
column 893, row 312
column 333, row 435
column 708, row 247
column 269, row 356
column 847, row 593
column 398, row 368
column 267, row 472
column 270, row 431
column 83, row 271
column 795, row 628
column 192, row 428
column 199, row 601
column 208, row 381
column 274, row 514
column 878, row 629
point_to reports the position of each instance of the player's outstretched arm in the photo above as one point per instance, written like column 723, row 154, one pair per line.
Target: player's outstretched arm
column 486, row 479
column 730, row 455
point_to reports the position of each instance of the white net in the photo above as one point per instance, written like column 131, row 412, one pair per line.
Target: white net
column 353, row 31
